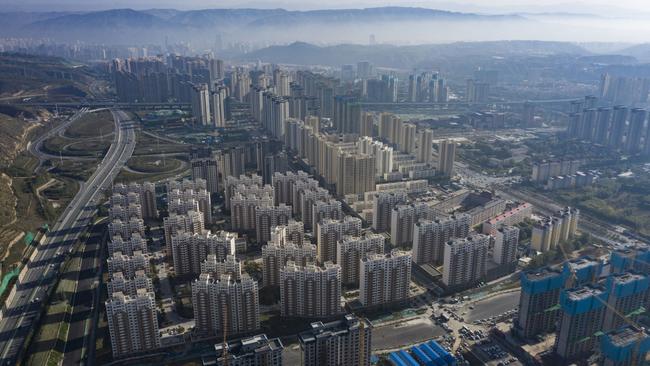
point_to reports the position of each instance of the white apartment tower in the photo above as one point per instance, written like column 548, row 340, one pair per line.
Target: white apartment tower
column 132, row 323
column 310, row 291
column 384, row 279
column 465, row 260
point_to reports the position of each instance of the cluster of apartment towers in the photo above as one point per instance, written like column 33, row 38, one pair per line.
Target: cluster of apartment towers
column 309, row 275
column 591, row 306
column 225, row 300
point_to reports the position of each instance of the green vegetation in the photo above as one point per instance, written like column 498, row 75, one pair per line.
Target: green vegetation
column 146, row 164
column 254, row 269
column 92, row 125
column 495, row 158
column 562, row 253
column 147, row 144
column 53, row 78
column 619, row 201
column 87, row 147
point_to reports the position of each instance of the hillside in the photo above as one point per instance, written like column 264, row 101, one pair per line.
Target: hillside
column 53, row 78
column 407, row 56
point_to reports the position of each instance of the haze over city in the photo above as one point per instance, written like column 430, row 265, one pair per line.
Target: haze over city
column 344, row 183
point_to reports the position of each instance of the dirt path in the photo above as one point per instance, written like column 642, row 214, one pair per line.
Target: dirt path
column 44, row 186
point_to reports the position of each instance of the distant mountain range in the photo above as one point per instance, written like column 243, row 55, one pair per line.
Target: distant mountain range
column 230, row 17
column 394, row 25
column 115, row 26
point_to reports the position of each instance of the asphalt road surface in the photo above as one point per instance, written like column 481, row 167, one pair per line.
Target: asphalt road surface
column 410, row 332
column 493, row 306
column 22, row 313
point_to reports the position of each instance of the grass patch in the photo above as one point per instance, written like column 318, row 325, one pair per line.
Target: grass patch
column 150, row 145
column 75, row 147
column 153, row 164
column 619, row 201
column 91, row 125
column 127, row 176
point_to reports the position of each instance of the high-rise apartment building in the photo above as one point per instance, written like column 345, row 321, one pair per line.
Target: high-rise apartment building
column 465, row 260
column 384, row 279
column 129, row 285
column 382, row 153
column 175, row 224
column 431, row 236
column 477, row 92
column 125, row 229
column 330, row 231
column 581, row 316
column 190, row 250
column 347, row 114
column 625, row 346
column 627, row 294
column 382, row 207
column 239, row 183
column 225, row 304
column 135, row 243
column 425, row 146
column 291, row 232
column 268, row 217
column 351, row 250
column 276, row 255
column 540, row 294
column 218, row 106
column 180, row 202
column 306, row 197
column 355, row 173
column 342, row 342
column 244, row 204
column 204, row 166
column 201, row 104
column 446, row 157
column 324, row 209
column 129, row 265
column 216, row 267
column 403, row 219
column 286, row 187
column 132, row 323
column 506, row 240
column 143, row 194
column 635, row 130
column 310, row 291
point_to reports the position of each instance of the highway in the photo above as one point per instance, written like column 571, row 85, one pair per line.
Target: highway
column 35, row 146
column 21, row 314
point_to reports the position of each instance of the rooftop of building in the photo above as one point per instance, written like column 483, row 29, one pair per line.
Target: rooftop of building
column 515, row 210
column 626, row 277
column 582, row 263
column 332, row 329
column 249, row 346
column 584, row 292
column 541, row 274
column 625, row 336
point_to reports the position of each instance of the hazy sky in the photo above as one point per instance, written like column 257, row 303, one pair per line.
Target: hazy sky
column 601, row 7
